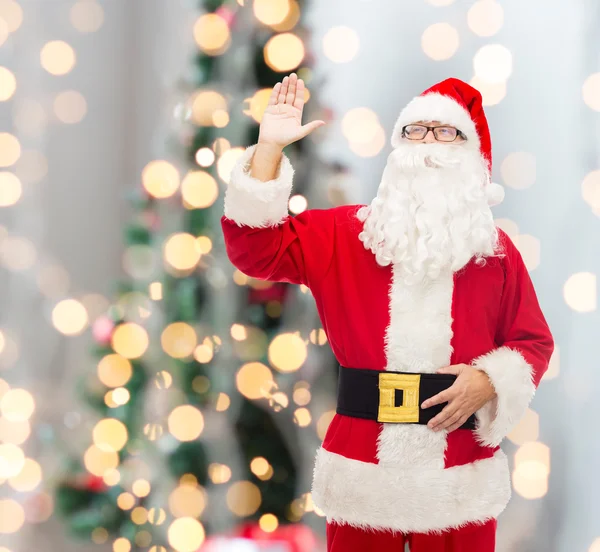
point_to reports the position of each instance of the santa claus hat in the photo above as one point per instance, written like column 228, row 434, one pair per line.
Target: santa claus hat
column 455, row 103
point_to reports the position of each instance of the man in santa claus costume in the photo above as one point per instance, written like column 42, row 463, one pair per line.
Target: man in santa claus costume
column 429, row 310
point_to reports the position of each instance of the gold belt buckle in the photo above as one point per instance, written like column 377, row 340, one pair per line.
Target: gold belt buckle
column 388, row 385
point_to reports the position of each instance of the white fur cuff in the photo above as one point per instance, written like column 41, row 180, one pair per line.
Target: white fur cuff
column 251, row 202
column 511, row 376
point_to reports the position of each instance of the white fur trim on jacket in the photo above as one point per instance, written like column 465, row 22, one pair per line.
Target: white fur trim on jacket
column 511, row 376
column 436, row 107
column 416, row 500
column 251, row 202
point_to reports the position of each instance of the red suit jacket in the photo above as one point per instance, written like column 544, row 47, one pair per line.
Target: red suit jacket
column 402, row 477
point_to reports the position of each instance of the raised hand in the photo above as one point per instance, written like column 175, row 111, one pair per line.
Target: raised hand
column 282, row 120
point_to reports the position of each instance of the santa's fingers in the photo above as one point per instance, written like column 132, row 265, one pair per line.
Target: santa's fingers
column 445, row 418
column 291, row 94
column 442, row 397
column 456, row 425
column 274, row 94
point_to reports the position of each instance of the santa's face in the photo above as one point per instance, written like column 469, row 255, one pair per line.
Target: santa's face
column 431, row 213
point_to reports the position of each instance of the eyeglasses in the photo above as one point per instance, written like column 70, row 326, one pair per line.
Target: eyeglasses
column 440, row 133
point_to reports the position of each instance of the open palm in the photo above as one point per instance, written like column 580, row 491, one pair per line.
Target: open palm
column 282, row 120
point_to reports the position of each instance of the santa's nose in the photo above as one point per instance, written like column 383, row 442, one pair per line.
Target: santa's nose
column 429, row 137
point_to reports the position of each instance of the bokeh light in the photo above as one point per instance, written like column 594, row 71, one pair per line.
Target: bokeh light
column 554, row 365
column 12, row 14
column 491, row 93
column 126, row 501
column 12, row 516
column 114, row 370
column 99, row 535
column 297, row 204
column 31, row 167
column 302, row 417
column 139, row 515
column 163, row 380
column 179, row 340
column 271, row 12
column 590, row 190
column 591, row 91
column 121, row 545
column 15, row 432
column 205, row 157
column 17, row 253
column 17, row 405
column 219, row 473
column 253, row 380
column 323, row 423
column 98, row 461
column 529, row 247
column 181, row 251
column 70, row 107
column 110, row 435
column 243, row 498
column 301, row 396
column 284, row 52
column 341, row 44
column 10, row 149
column 130, row 340
column 223, row 402
column 372, row 148
column 493, row 63
column 440, row 41
column 528, row 429
column 199, row 190
column 187, row 500
column 87, row 16
column 8, row 84
column 160, row 179
column 287, row 352
column 581, row 292
column 12, row 460
column 29, row 478
column 10, row 189
column 4, row 34
column 360, row 125
column 211, row 34
column 227, row 161
column 186, row 422
column 485, row 17
column 69, row 317
column 186, row 534
column 518, row 170
column 258, row 103
column 57, row 57
column 268, row 523
column 318, row 337
column 30, row 118
column 205, row 244
column 509, row 226
column 204, row 106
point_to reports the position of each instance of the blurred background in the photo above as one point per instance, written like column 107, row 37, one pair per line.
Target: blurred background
column 152, row 397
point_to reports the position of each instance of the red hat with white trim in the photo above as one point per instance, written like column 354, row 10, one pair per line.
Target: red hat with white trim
column 454, row 102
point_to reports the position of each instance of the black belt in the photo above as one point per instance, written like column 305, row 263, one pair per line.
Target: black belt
column 392, row 397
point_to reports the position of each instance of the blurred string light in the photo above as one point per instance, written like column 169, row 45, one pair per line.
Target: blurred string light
column 529, row 247
column 528, row 429
column 323, row 423
column 591, row 91
column 4, row 34
column 284, row 52
column 581, row 292
column 590, row 190
column 110, row 435
column 298, row 204
column 18, row 254
column 485, row 17
column 243, row 498
column 17, row 405
column 10, row 189
column 187, row 500
column 199, row 190
column 12, row 14
column 268, row 523
column 440, row 41
column 179, row 340
column 492, row 93
column 186, row 534
column 205, row 157
column 160, row 179
column 219, row 473
column 57, row 57
column 87, row 16
column 206, row 105
column 130, row 340
column 211, row 34
column 70, row 107
column 271, row 12
column 287, row 352
column 8, row 84
column 186, row 423
column 13, row 516
column 341, row 44
column 364, row 132
column 254, row 380
column 493, row 63
column 10, row 149
column 532, row 469
column 181, row 251
column 70, row 317
column 518, row 170
column 226, row 163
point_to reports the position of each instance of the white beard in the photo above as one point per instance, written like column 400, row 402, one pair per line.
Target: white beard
column 431, row 212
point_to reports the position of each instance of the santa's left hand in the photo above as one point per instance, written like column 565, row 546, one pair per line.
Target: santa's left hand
column 471, row 390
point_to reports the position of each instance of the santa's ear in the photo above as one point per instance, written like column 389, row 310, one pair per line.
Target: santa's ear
column 494, row 193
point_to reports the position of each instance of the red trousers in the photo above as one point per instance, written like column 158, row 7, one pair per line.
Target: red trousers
column 471, row 538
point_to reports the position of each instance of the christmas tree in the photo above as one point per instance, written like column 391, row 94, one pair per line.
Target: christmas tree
column 206, row 425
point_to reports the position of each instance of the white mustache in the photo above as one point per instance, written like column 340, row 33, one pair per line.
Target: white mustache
column 409, row 157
